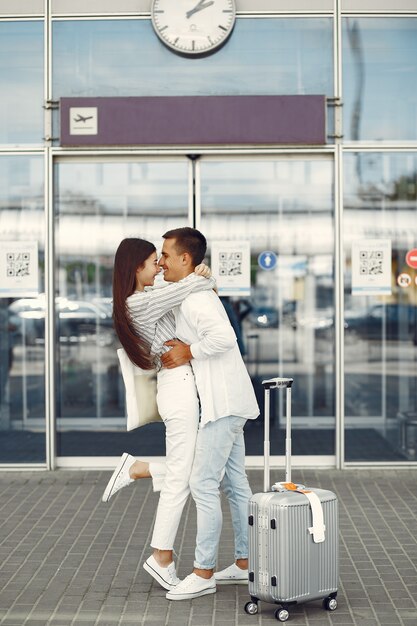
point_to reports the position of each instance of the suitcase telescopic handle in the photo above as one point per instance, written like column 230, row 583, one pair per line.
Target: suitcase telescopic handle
column 277, row 383
column 274, row 383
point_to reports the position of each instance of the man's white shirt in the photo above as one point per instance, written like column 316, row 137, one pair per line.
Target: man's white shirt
column 223, row 383
column 151, row 310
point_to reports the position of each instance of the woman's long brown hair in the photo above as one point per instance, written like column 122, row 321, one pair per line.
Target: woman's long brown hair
column 130, row 255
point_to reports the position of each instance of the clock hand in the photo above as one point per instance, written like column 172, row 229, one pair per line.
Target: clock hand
column 200, row 6
column 199, row 3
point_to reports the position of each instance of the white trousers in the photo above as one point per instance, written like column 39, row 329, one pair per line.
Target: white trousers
column 179, row 408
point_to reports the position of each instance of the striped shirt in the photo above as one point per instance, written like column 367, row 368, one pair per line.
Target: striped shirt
column 151, row 311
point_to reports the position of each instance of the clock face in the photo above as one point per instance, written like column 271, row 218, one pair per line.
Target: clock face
column 193, row 27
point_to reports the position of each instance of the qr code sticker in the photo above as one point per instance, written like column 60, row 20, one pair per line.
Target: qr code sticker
column 230, row 263
column 18, row 264
column 370, row 262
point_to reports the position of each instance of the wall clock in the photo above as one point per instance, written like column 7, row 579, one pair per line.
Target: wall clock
column 193, row 27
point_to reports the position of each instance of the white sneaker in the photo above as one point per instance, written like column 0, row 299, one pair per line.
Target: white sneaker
column 192, row 586
column 166, row 576
column 120, row 477
column 232, row 575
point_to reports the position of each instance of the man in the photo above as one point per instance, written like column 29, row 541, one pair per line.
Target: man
column 227, row 400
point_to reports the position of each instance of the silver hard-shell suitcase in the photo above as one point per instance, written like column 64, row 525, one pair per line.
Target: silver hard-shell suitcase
column 293, row 534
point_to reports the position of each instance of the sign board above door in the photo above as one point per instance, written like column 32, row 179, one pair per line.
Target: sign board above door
column 193, row 121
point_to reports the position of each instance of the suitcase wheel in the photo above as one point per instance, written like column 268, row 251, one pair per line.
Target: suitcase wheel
column 282, row 615
column 251, row 608
column 330, row 604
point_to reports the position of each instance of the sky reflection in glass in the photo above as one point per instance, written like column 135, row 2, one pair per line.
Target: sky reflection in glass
column 125, row 58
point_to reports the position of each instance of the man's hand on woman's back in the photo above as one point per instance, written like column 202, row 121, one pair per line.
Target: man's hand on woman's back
column 179, row 354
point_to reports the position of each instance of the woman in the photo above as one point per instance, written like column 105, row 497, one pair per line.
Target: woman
column 144, row 321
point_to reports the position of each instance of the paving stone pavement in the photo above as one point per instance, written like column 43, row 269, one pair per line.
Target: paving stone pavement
column 67, row 559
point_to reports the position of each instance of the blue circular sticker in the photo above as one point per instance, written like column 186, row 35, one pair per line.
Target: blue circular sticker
column 267, row 260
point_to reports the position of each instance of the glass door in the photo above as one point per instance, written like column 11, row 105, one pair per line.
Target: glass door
column 380, row 217
column 98, row 202
column 22, row 310
column 285, row 326
column 284, row 208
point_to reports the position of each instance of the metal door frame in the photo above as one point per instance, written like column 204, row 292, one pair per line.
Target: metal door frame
column 58, row 155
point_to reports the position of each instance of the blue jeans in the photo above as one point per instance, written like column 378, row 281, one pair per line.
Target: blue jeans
column 220, row 459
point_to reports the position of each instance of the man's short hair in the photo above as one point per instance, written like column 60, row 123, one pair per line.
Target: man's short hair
column 189, row 240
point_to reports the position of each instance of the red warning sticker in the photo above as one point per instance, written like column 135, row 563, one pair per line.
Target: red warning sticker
column 411, row 258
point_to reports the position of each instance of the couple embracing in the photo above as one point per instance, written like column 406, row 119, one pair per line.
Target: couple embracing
column 204, row 396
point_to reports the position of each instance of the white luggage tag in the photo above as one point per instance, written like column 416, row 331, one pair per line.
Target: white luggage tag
column 318, row 528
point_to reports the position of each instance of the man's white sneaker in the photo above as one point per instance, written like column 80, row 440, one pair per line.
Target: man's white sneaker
column 120, row 477
column 192, row 586
column 166, row 576
column 232, row 575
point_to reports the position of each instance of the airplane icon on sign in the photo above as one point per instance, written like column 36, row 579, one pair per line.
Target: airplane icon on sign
column 81, row 118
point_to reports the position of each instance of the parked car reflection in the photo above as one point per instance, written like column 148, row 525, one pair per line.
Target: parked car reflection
column 321, row 320
column 394, row 322
column 263, row 317
column 78, row 321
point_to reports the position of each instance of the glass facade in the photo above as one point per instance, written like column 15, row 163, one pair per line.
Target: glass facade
column 22, row 319
column 381, row 331
column 21, row 82
column 113, row 58
column 353, row 358
column 380, row 74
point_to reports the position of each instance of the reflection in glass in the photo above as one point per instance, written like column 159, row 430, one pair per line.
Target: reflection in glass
column 22, row 329
column 126, row 58
column 21, row 82
column 381, row 331
column 380, row 78
column 97, row 205
column 286, row 326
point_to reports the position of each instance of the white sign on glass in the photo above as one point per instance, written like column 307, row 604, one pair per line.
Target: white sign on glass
column 19, row 269
column 83, row 120
column 230, row 264
column 371, row 267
